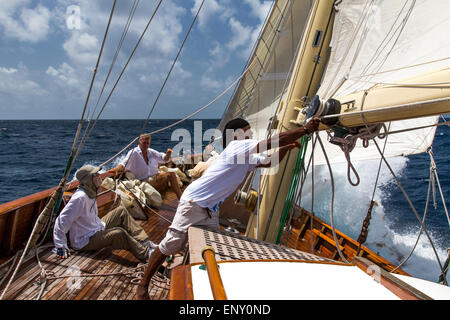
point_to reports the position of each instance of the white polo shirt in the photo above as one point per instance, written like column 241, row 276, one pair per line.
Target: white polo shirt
column 224, row 175
column 135, row 163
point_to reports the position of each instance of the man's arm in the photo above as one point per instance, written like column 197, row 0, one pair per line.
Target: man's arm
column 62, row 226
column 121, row 167
column 168, row 155
column 117, row 170
column 289, row 137
column 279, row 155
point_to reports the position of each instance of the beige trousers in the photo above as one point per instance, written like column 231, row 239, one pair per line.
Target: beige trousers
column 188, row 214
column 121, row 232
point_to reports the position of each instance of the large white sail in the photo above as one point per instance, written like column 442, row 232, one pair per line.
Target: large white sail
column 383, row 42
column 259, row 93
column 376, row 42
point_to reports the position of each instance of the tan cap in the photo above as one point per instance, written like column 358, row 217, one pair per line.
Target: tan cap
column 86, row 171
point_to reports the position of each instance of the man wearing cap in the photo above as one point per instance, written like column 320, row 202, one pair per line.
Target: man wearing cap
column 200, row 201
column 87, row 232
column 143, row 162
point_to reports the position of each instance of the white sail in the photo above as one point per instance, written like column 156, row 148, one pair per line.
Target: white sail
column 258, row 95
column 384, row 42
column 376, row 42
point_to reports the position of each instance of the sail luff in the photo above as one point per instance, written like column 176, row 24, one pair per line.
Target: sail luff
column 244, row 93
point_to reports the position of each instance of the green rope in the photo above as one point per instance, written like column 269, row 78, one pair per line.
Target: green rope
column 294, row 182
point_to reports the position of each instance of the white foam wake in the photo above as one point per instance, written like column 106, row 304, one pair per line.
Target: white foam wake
column 350, row 209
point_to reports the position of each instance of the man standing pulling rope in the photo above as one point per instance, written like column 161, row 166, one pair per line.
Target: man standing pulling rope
column 200, row 201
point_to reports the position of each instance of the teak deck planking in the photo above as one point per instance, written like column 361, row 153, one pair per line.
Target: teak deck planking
column 105, row 261
column 15, row 227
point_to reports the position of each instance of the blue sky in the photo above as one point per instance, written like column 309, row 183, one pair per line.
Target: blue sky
column 48, row 53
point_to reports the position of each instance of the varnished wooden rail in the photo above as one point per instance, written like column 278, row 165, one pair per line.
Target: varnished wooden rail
column 215, row 280
column 398, row 287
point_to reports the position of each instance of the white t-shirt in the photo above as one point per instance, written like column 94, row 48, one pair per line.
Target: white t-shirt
column 135, row 163
column 80, row 218
column 224, row 175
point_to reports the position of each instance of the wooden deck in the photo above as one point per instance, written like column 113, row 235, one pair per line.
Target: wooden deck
column 318, row 239
column 106, row 274
column 111, row 274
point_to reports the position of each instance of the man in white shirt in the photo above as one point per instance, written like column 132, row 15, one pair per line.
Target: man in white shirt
column 200, row 201
column 143, row 163
column 87, row 232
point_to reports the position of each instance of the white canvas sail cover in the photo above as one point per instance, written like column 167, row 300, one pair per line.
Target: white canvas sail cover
column 382, row 42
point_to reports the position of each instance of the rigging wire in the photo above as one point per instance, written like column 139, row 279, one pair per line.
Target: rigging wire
column 244, row 72
column 384, row 43
column 430, row 183
column 365, row 17
column 126, row 64
column 375, row 185
column 173, row 65
column 273, row 5
column 87, row 132
column 398, row 31
column 72, row 158
column 332, row 202
column 119, row 46
column 347, row 50
column 397, row 69
column 439, row 184
column 179, row 121
column 407, row 198
column 70, row 161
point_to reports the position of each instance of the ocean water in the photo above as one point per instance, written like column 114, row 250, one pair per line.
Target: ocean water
column 34, row 153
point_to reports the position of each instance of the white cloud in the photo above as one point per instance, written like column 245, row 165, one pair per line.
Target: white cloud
column 19, row 83
column 82, row 48
column 165, row 32
column 241, row 34
column 211, row 9
column 65, row 75
column 211, row 83
column 259, row 10
column 8, row 70
column 23, row 23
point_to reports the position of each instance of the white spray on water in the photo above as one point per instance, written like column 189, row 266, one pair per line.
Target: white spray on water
column 350, row 208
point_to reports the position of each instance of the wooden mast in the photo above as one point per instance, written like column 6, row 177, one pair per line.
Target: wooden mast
column 308, row 70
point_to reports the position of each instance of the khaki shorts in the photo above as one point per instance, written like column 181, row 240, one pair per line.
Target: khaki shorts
column 188, row 214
